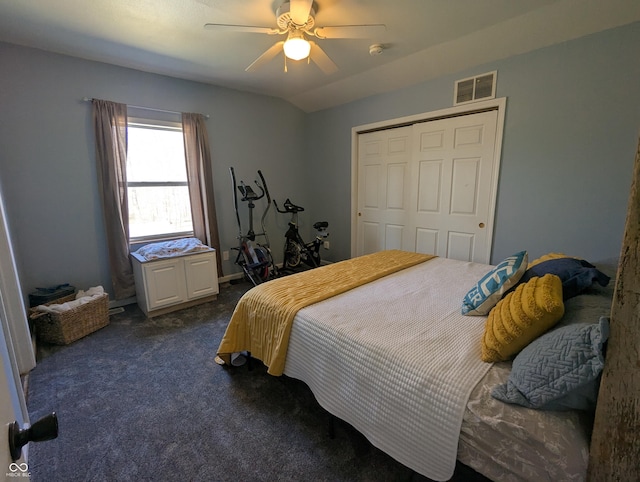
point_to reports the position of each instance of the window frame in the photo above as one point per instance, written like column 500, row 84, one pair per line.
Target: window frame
column 156, row 124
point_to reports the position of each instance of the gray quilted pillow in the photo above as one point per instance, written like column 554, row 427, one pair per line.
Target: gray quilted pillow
column 558, row 371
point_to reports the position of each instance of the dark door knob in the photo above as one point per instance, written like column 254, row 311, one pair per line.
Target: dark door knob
column 44, row 429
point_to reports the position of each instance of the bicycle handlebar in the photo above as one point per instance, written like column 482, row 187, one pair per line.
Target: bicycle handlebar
column 263, row 186
column 265, row 191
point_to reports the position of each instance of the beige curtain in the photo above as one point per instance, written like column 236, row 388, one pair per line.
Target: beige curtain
column 110, row 124
column 200, row 178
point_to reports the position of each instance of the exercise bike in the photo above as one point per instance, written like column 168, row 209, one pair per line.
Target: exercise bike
column 254, row 258
column 295, row 249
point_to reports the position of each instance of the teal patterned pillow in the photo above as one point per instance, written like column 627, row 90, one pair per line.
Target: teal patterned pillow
column 558, row 371
column 488, row 291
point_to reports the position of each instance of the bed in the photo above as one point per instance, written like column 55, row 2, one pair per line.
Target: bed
column 406, row 370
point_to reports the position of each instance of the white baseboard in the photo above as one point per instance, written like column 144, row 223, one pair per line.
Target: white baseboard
column 118, row 303
column 230, row 277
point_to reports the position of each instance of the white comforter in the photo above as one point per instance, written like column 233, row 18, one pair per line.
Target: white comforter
column 397, row 360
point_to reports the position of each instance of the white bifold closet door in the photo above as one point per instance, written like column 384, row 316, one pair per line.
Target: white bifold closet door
column 429, row 187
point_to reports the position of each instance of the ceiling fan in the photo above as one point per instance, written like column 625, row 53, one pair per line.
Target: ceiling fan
column 296, row 20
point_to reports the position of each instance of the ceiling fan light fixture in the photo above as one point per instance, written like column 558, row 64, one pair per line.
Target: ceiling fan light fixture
column 296, row 47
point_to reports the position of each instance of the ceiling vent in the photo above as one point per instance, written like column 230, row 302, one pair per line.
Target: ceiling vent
column 476, row 88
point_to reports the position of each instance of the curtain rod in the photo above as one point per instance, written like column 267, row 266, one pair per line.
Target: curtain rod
column 89, row 99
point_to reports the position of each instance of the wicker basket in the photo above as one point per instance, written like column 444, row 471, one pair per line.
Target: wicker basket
column 68, row 326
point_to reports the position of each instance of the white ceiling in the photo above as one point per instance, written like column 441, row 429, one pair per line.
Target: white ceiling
column 424, row 39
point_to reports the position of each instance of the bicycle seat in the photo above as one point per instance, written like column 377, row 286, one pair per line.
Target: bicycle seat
column 292, row 208
column 320, row 225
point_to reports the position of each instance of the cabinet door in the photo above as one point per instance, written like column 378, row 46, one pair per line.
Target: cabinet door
column 165, row 283
column 202, row 275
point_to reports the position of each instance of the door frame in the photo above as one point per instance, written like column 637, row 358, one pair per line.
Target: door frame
column 462, row 110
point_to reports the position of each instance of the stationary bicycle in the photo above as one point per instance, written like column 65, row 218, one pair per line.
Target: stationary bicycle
column 295, row 248
column 254, row 258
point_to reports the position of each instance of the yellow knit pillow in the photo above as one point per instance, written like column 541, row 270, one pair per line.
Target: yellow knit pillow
column 521, row 317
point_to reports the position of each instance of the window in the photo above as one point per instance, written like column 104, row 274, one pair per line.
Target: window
column 159, row 205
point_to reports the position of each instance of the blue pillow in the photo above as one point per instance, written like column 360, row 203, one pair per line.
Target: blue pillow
column 488, row 291
column 558, row 371
column 576, row 274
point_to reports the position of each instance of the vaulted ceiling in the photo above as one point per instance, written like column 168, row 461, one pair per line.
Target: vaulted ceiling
column 423, row 39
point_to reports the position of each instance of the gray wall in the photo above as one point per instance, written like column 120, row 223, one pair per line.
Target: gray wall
column 573, row 115
column 47, row 160
column 571, row 129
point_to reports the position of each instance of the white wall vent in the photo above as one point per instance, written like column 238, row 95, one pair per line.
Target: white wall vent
column 472, row 89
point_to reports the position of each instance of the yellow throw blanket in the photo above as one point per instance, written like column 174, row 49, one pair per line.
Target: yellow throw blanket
column 261, row 322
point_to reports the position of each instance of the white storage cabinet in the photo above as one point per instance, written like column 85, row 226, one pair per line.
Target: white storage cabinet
column 170, row 284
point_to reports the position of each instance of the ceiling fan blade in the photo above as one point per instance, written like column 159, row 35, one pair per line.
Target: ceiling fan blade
column 350, row 31
column 267, row 56
column 299, row 11
column 241, row 28
column 322, row 60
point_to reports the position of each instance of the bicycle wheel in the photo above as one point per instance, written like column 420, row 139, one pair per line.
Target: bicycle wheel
column 291, row 254
column 265, row 263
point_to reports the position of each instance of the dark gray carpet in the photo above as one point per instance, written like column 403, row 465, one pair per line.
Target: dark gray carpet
column 143, row 399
